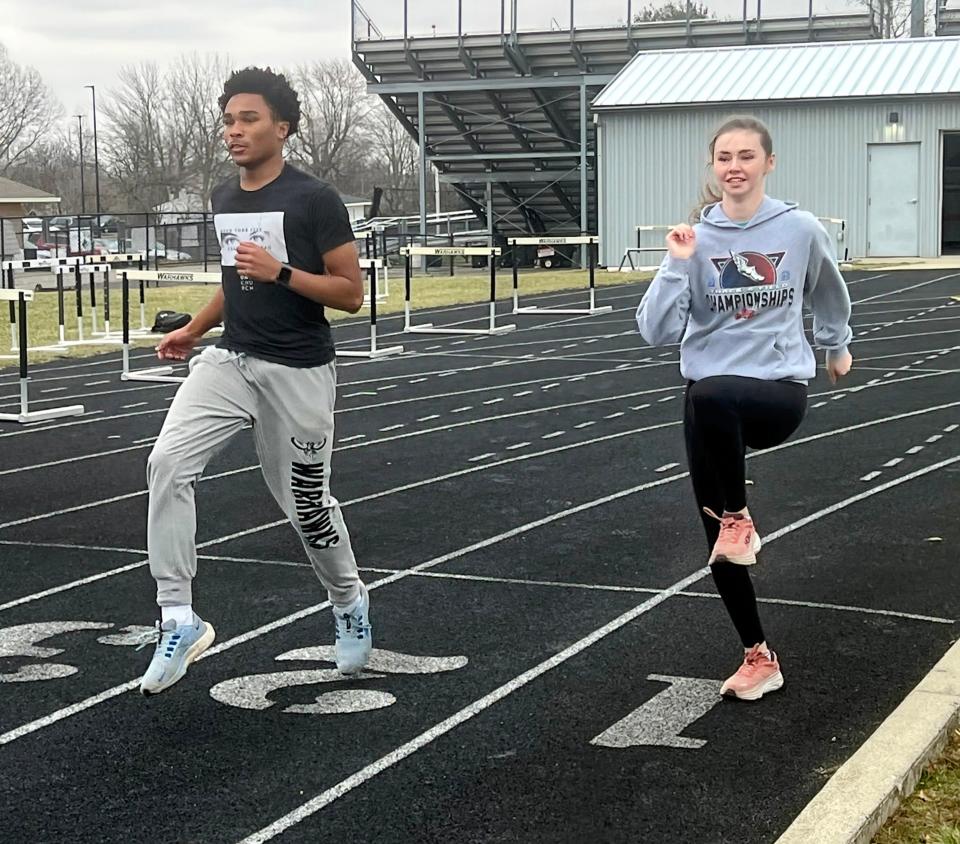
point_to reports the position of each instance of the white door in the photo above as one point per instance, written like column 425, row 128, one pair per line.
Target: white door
column 893, row 194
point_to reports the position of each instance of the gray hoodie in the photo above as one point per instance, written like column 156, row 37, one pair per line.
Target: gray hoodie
column 735, row 307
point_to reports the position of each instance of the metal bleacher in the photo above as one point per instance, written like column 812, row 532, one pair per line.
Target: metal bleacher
column 503, row 115
column 947, row 20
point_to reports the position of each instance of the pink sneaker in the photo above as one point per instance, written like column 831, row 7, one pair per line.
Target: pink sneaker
column 758, row 675
column 738, row 541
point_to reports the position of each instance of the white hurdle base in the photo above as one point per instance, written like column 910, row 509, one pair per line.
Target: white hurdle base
column 371, row 354
column 427, row 328
column 155, row 374
column 533, row 309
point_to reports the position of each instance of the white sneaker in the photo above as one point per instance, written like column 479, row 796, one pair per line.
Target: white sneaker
column 354, row 635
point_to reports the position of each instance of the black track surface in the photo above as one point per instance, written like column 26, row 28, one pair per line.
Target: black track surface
column 528, row 490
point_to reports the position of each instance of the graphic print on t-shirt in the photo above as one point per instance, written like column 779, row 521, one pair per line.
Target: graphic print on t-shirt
column 753, row 282
column 264, row 229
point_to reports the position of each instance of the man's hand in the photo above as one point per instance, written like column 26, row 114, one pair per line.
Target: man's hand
column 255, row 263
column 177, row 344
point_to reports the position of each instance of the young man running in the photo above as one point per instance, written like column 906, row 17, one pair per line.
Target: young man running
column 287, row 252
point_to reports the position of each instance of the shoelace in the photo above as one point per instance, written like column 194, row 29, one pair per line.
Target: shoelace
column 728, row 524
column 163, row 639
column 351, row 625
column 753, row 659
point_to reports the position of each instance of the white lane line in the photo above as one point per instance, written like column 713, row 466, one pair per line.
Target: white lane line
column 370, row 771
column 416, row 381
column 550, row 386
column 96, row 383
column 666, row 467
column 666, row 398
column 523, row 393
column 50, row 463
column 934, row 438
column 396, row 427
column 493, row 401
column 554, row 434
column 429, row 418
column 915, row 450
column 516, row 446
column 640, row 407
column 269, row 525
column 146, row 440
column 614, row 415
column 72, row 546
column 352, row 438
column 905, row 289
column 53, row 390
column 386, row 387
column 584, row 424
column 893, row 462
column 131, row 406
column 480, row 457
column 950, row 428
column 361, row 393
column 462, row 409
column 604, row 587
column 870, row 476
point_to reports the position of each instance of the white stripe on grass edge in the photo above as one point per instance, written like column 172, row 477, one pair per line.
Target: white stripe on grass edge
column 370, row 771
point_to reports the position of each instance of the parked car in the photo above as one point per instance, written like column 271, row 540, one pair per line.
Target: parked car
column 160, row 250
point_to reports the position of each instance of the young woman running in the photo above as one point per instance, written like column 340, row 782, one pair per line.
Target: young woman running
column 731, row 291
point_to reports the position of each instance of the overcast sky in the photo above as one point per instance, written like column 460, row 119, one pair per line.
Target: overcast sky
column 79, row 43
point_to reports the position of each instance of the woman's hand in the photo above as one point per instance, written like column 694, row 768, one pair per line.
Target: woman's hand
column 838, row 364
column 681, row 242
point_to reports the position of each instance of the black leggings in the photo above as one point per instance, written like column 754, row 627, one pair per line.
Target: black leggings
column 722, row 416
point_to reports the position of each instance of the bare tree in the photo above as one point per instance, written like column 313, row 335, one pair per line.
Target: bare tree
column 145, row 144
column 394, row 161
column 197, row 83
column 893, row 17
column 335, row 106
column 27, row 110
column 671, row 11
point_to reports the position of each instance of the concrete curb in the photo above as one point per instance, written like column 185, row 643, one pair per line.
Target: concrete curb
column 870, row 785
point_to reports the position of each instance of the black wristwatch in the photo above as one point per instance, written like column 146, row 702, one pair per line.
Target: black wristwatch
column 284, row 276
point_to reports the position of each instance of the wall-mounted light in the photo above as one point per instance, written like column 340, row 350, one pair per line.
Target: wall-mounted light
column 893, row 118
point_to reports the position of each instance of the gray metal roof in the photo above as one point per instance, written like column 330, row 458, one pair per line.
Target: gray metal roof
column 11, row 191
column 786, row 72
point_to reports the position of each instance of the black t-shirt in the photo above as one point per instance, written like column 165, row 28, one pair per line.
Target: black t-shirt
column 296, row 218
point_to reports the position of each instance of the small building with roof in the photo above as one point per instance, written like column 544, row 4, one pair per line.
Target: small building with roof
column 16, row 202
column 865, row 131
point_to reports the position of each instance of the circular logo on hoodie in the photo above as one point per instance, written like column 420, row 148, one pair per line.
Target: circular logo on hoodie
column 748, row 269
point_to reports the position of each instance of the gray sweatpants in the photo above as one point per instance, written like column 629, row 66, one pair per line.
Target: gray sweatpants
column 291, row 411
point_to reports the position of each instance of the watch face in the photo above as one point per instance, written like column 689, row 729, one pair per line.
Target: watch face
column 283, row 277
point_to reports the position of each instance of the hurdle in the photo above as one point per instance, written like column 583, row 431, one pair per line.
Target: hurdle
column 18, row 300
column 491, row 252
column 372, row 265
column 591, row 242
column 96, row 337
column 159, row 374
column 383, row 293
column 639, row 249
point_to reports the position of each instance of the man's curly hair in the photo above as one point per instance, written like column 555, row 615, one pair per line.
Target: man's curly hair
column 273, row 87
